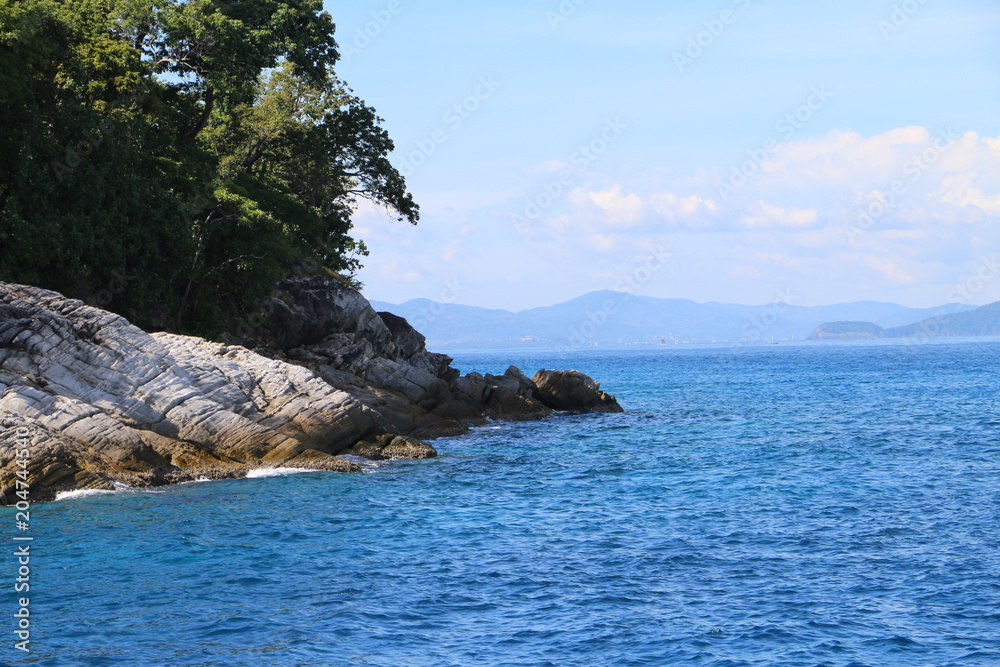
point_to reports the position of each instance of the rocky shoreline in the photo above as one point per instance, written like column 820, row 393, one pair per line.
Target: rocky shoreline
column 101, row 403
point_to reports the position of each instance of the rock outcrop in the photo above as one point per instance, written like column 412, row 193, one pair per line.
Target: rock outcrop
column 572, row 391
column 100, row 402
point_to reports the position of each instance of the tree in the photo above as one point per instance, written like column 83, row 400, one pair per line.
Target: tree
column 179, row 157
column 88, row 185
column 292, row 163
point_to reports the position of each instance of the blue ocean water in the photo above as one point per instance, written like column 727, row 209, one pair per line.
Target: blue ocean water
column 834, row 504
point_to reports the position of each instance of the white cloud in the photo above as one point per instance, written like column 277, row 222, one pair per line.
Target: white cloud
column 767, row 216
column 691, row 211
column 843, row 157
column 619, row 209
column 602, row 242
column 785, row 227
column 923, row 178
column 892, row 270
column 450, row 252
column 965, row 191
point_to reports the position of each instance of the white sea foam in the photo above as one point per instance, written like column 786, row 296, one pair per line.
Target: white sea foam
column 120, row 487
column 366, row 465
column 197, row 480
column 275, row 472
column 81, row 493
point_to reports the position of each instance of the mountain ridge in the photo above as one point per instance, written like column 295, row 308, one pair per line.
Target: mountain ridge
column 619, row 318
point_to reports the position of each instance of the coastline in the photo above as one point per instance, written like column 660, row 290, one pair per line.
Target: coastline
column 103, row 403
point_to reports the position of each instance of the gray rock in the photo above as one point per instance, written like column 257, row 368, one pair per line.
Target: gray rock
column 308, row 310
column 511, row 397
column 408, row 340
column 403, row 447
column 572, row 391
column 394, row 447
column 99, row 401
column 119, row 404
column 470, row 388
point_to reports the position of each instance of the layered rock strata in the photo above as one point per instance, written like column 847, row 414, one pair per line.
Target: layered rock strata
column 97, row 402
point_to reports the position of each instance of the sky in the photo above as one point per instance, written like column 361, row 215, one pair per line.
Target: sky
column 737, row 151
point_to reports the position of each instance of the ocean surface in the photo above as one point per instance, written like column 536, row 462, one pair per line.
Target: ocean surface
column 772, row 505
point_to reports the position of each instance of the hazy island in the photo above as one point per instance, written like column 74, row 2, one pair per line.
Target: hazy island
column 982, row 321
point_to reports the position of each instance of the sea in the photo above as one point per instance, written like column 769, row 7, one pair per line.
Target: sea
column 799, row 504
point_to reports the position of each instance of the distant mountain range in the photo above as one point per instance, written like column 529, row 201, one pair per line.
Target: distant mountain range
column 617, row 318
column 982, row 321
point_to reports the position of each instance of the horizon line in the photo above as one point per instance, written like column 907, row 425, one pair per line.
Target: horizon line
column 699, row 303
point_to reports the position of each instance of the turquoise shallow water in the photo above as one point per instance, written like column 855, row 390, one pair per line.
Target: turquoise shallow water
column 773, row 505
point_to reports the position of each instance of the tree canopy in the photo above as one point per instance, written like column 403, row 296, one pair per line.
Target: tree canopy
column 172, row 159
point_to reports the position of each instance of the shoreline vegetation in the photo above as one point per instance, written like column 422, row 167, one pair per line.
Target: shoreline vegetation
column 172, row 161
column 104, row 403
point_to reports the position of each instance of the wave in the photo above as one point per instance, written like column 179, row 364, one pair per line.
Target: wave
column 82, row 493
column 257, row 473
column 120, row 487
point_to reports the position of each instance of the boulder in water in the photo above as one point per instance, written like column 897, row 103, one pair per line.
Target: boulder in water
column 572, row 391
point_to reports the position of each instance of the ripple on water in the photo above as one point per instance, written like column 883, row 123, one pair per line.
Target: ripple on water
column 803, row 505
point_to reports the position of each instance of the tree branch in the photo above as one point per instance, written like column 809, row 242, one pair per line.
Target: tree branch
column 205, row 114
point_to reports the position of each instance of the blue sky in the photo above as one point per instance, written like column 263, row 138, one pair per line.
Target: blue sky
column 738, row 151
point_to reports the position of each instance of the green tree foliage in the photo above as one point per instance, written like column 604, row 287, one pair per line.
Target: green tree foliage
column 172, row 159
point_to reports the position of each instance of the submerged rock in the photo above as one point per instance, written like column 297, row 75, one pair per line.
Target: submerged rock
column 97, row 401
column 394, row 447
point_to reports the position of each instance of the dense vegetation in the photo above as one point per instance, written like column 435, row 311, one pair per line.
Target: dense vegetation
column 171, row 159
